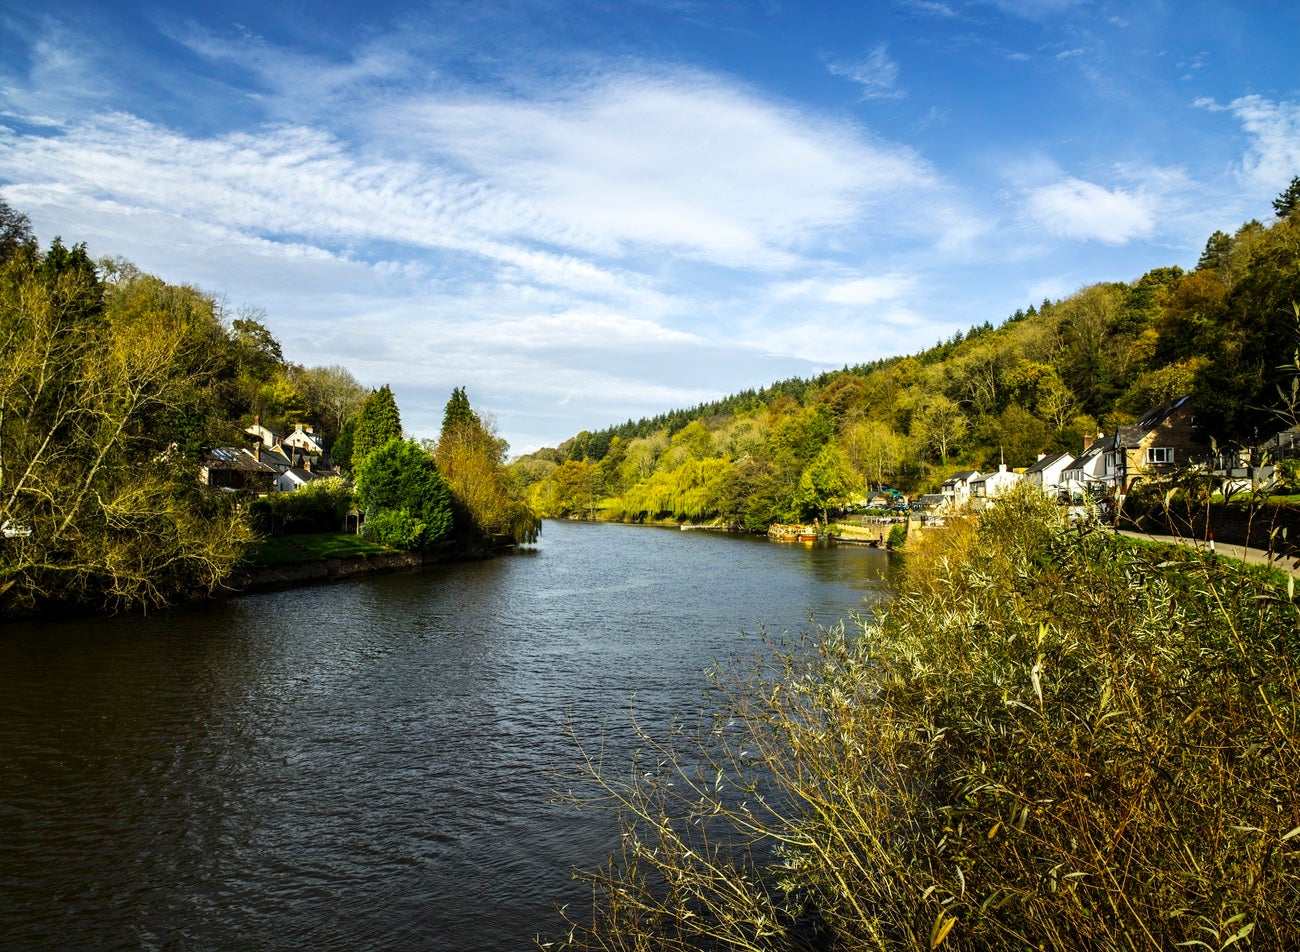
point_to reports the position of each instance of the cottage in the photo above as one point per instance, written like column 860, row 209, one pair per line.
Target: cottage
column 1048, row 473
column 1095, row 468
column 1163, row 440
column 956, row 488
column 235, row 468
column 305, row 440
column 989, row 486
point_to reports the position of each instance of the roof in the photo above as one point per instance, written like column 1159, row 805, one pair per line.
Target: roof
column 234, row 459
column 1157, row 415
column 1047, row 462
column 964, row 476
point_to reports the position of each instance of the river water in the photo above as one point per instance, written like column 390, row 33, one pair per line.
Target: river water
column 367, row 765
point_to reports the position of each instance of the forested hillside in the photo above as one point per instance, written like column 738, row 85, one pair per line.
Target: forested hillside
column 113, row 386
column 1045, row 379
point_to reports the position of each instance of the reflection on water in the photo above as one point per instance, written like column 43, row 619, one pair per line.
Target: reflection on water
column 364, row 765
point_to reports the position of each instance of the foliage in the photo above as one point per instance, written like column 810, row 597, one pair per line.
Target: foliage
column 405, row 498
column 1051, row 740
column 378, row 422
column 319, row 506
column 471, row 458
column 106, row 391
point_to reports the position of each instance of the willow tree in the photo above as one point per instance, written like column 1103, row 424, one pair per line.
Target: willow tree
column 103, row 387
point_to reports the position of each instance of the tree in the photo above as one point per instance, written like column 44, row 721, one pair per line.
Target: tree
column 827, row 483
column 940, row 425
column 458, row 412
column 405, row 498
column 378, row 422
column 471, row 457
column 332, row 396
column 102, row 390
column 15, row 231
column 1287, row 202
column 873, row 449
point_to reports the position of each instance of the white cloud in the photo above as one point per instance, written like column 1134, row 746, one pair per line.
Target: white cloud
column 1074, row 208
column 876, row 73
column 683, row 161
column 1274, row 130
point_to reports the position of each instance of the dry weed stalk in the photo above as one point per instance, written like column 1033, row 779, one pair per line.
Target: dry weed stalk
column 1051, row 741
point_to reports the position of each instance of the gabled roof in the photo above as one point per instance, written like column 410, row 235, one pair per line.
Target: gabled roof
column 1047, row 462
column 1104, row 445
column 1157, row 415
column 964, row 476
column 234, row 459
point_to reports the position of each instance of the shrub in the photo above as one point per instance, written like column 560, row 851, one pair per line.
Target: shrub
column 1052, row 740
column 319, row 506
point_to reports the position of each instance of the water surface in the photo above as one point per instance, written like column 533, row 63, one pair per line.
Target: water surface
column 366, row 765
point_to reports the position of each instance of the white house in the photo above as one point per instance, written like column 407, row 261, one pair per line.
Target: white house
column 294, row 478
column 304, row 439
column 989, row 486
column 1048, row 474
column 956, row 488
column 1095, row 466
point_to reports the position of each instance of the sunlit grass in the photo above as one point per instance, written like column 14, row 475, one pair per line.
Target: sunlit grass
column 283, row 550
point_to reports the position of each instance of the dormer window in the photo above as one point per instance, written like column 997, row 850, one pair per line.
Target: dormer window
column 1160, row 454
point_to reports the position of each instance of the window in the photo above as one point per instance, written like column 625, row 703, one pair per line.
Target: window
column 1160, row 454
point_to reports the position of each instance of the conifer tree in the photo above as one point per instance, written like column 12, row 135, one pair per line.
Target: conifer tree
column 1289, row 200
column 378, row 422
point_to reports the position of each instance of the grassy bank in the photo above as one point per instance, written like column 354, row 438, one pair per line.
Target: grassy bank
column 1054, row 740
column 289, row 549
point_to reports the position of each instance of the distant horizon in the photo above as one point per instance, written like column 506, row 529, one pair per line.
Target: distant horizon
column 586, row 213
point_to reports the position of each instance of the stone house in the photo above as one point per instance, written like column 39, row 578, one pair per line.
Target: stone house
column 1164, row 440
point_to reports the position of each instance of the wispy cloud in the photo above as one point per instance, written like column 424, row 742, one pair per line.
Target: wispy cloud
column 1074, row 208
column 876, row 73
column 1274, row 131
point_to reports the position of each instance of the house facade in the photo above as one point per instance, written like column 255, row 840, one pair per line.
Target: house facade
column 1165, row 439
column 956, row 488
column 1048, row 473
column 987, row 487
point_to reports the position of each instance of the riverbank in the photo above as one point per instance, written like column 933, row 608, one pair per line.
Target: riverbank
column 320, row 559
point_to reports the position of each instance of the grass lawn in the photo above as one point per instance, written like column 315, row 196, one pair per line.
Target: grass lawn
column 280, row 550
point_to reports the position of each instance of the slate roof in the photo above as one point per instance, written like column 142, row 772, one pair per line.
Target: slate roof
column 1047, row 462
column 234, row 459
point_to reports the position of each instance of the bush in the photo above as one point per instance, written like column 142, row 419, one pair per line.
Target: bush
column 1051, row 741
column 897, row 535
column 319, row 506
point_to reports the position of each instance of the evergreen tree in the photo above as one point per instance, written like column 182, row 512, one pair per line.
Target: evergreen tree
column 1287, row 202
column 458, row 412
column 378, row 422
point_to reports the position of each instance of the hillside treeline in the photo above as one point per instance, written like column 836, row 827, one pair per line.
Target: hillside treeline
column 113, row 386
column 1047, row 379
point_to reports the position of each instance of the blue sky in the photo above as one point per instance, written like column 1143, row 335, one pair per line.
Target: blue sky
column 585, row 212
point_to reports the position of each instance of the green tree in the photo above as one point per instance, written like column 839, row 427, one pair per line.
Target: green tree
column 102, row 389
column 405, row 498
column 1287, row 202
column 458, row 412
column 15, row 231
column 378, row 422
column 940, row 426
column 827, row 483
column 471, row 457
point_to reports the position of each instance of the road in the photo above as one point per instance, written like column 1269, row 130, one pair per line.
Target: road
column 1253, row 556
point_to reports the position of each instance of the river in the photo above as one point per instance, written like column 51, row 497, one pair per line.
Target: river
column 366, row 765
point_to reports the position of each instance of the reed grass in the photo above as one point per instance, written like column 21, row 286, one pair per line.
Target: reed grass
column 1051, row 740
